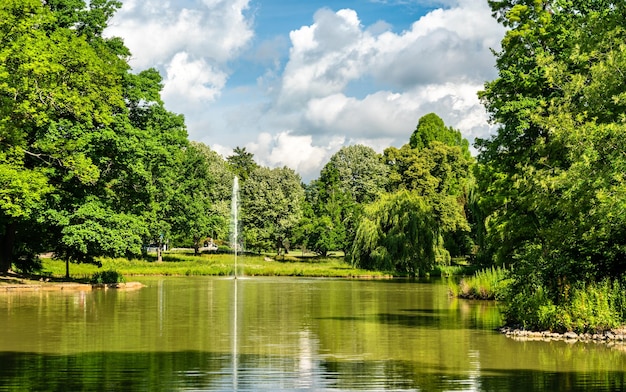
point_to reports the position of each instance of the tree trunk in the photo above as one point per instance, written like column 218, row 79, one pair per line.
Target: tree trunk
column 196, row 246
column 7, row 241
column 67, row 268
column 159, row 252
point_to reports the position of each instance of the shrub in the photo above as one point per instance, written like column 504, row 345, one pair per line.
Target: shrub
column 107, row 277
column 489, row 283
column 591, row 307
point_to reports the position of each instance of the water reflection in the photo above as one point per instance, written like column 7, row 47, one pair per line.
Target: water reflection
column 281, row 334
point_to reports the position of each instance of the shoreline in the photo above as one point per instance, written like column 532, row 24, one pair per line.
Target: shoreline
column 12, row 284
column 613, row 337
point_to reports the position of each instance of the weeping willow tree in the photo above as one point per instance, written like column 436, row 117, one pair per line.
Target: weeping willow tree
column 399, row 232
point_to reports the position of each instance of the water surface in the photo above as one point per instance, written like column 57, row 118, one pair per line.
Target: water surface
column 282, row 334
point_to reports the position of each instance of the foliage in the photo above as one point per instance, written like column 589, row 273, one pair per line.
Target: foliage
column 397, row 233
column 106, row 277
column 242, row 163
column 589, row 308
column 358, row 171
column 199, row 207
column 354, row 176
column 271, row 208
column 88, row 153
column 552, row 182
column 431, row 128
column 437, row 165
column 489, row 283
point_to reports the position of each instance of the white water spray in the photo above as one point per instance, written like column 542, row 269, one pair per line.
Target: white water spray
column 234, row 220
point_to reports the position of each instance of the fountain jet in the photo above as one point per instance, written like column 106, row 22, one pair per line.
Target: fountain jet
column 234, row 220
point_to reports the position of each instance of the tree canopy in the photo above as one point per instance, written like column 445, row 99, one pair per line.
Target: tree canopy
column 552, row 181
column 93, row 142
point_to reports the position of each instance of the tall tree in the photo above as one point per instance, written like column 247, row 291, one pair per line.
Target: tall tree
column 436, row 164
column 429, row 178
column 95, row 139
column 199, row 210
column 242, row 162
column 58, row 86
column 397, row 233
column 354, row 176
column 431, row 128
column 271, row 207
column 551, row 180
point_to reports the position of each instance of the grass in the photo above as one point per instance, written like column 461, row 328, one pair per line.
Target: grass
column 181, row 264
column 487, row 284
column 583, row 308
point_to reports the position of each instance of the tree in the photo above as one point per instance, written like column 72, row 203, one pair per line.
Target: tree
column 94, row 140
column 429, row 180
column 360, row 172
column 436, row 164
column 271, row 207
column 431, row 128
column 354, row 176
column 551, row 180
column 58, row 86
column 399, row 232
column 242, row 163
column 198, row 207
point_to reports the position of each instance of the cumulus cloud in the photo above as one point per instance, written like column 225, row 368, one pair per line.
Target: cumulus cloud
column 191, row 45
column 295, row 151
column 437, row 65
column 340, row 83
column 191, row 80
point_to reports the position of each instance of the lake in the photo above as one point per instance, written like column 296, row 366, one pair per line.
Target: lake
column 251, row 334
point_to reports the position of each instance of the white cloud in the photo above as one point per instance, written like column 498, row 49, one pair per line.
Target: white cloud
column 438, row 65
column 155, row 30
column 191, row 80
column 296, row 152
column 342, row 83
column 191, row 45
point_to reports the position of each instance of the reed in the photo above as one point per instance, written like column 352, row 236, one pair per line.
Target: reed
column 487, row 284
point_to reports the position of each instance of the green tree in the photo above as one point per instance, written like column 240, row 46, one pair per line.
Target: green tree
column 94, row 139
column 551, row 180
column 399, row 232
column 354, row 176
column 58, row 86
column 271, row 208
column 431, row 128
column 242, row 163
column 436, row 164
column 198, row 207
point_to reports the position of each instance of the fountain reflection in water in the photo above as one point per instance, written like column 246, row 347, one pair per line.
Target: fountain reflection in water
column 235, row 244
column 235, row 351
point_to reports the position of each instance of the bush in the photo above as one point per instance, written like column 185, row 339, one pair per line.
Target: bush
column 592, row 307
column 489, row 283
column 107, row 277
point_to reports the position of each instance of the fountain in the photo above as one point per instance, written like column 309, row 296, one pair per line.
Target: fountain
column 234, row 241
column 234, row 220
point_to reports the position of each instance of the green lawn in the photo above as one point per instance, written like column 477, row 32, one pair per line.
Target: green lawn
column 180, row 264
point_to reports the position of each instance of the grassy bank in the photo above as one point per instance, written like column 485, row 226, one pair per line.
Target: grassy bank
column 181, row 264
column 582, row 308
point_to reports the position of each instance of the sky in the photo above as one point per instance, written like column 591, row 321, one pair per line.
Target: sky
column 293, row 81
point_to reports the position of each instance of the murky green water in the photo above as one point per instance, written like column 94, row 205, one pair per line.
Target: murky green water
column 282, row 334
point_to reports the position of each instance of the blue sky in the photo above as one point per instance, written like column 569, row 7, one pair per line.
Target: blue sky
column 294, row 81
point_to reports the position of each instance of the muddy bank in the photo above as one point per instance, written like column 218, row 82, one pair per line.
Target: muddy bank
column 16, row 284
